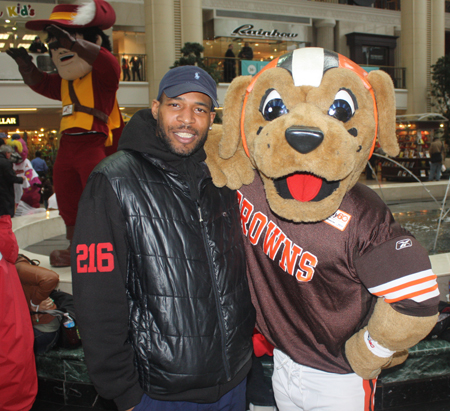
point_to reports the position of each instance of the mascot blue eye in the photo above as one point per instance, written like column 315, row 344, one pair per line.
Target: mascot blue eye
column 344, row 106
column 272, row 106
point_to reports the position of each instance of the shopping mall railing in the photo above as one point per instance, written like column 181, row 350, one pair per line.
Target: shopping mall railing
column 217, row 66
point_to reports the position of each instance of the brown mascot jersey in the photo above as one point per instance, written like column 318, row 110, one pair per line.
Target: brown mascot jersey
column 315, row 284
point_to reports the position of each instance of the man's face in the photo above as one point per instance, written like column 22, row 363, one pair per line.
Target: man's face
column 183, row 121
column 69, row 65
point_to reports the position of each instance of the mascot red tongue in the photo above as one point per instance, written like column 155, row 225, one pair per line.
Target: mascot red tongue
column 304, row 187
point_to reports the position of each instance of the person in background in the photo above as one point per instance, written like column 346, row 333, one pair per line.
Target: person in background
column 37, row 46
column 229, row 66
column 125, row 70
column 246, row 52
column 18, row 378
column 437, row 157
column 136, row 67
column 46, row 191
column 161, row 293
column 39, row 165
column 8, row 178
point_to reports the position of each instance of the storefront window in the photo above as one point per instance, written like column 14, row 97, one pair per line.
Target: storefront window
column 263, row 51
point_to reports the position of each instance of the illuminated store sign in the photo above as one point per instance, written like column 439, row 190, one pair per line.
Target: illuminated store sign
column 18, row 10
column 247, row 30
column 262, row 30
column 9, row 120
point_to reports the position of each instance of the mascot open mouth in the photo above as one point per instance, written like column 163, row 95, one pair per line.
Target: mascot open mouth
column 66, row 57
column 304, row 187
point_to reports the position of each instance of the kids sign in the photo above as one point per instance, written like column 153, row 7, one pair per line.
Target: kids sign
column 18, row 10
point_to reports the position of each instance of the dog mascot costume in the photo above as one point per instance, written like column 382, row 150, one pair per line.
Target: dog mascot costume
column 340, row 289
column 86, row 83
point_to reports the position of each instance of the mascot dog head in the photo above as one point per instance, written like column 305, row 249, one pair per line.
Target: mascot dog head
column 308, row 124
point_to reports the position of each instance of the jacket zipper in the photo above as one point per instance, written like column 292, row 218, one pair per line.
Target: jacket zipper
column 214, row 286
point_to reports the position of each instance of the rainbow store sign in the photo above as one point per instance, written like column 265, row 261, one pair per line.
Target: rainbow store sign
column 248, row 31
column 18, row 10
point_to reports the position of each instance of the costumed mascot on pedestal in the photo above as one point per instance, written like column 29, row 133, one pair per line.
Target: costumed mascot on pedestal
column 86, row 83
column 340, row 289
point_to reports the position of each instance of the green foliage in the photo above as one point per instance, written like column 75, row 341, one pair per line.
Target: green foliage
column 440, row 87
column 192, row 57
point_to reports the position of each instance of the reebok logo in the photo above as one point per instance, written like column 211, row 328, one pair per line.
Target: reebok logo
column 400, row 245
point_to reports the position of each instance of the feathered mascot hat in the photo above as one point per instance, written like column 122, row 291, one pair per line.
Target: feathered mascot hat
column 97, row 13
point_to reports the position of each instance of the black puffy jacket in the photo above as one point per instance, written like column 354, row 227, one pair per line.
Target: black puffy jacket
column 182, row 267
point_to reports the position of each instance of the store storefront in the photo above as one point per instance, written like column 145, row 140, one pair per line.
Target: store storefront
column 268, row 36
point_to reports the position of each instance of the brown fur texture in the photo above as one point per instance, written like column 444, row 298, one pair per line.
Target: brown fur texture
column 340, row 158
column 392, row 330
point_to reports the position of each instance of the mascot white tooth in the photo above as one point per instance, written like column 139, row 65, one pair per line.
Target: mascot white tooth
column 340, row 289
column 86, row 83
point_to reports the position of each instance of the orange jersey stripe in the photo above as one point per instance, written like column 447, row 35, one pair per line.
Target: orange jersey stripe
column 412, row 295
column 406, row 285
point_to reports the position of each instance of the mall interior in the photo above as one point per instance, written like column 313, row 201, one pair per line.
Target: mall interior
column 403, row 38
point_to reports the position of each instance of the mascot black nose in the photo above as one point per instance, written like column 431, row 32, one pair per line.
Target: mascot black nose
column 304, row 139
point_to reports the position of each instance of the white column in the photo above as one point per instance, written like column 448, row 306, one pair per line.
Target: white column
column 414, row 53
column 437, row 29
column 325, row 33
column 191, row 21
column 160, row 41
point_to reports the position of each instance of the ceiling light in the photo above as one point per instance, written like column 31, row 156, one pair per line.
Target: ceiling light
column 18, row 109
column 24, row 45
column 4, row 36
column 29, row 37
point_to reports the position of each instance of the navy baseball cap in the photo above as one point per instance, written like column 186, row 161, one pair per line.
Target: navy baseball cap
column 188, row 79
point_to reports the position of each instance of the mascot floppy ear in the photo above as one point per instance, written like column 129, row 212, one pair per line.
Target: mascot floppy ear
column 232, row 111
column 226, row 158
column 382, row 85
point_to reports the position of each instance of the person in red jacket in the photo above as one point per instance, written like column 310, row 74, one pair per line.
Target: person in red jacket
column 18, row 378
column 86, row 83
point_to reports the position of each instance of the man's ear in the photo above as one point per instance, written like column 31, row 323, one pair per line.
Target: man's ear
column 232, row 108
column 99, row 40
column 385, row 97
column 155, row 108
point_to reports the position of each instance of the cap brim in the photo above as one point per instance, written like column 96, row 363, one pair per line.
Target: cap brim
column 187, row 87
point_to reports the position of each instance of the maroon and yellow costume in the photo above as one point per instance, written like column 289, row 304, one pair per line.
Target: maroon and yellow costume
column 84, row 136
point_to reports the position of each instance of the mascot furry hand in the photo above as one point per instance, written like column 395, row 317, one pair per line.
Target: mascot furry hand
column 86, row 84
column 337, row 284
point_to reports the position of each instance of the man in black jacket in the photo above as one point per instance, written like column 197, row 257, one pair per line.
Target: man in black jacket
column 159, row 272
column 8, row 178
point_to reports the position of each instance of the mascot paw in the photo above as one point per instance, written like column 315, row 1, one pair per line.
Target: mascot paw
column 233, row 172
column 363, row 362
column 398, row 358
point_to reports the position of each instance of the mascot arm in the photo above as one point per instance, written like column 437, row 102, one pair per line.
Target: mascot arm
column 233, row 172
column 30, row 73
column 384, row 342
column 85, row 49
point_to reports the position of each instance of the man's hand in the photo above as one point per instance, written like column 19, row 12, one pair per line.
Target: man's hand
column 21, row 56
column 63, row 38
